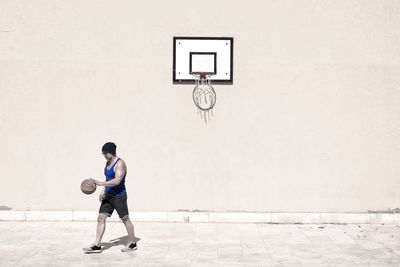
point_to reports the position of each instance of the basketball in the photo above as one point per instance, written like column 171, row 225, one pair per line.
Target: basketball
column 88, row 186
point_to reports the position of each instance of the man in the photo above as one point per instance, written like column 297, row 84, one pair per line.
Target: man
column 113, row 197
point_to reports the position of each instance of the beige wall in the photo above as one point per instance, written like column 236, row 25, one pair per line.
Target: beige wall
column 311, row 122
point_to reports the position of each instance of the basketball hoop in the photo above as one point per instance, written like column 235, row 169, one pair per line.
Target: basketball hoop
column 204, row 95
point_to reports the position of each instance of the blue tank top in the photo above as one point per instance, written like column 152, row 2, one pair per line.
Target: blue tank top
column 116, row 190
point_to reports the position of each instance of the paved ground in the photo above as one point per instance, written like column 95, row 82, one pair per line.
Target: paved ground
column 201, row 244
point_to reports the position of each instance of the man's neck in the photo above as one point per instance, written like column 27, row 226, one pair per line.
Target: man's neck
column 113, row 159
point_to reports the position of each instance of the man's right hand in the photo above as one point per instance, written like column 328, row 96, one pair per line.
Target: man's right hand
column 101, row 196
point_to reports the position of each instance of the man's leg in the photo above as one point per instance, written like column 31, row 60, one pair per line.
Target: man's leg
column 129, row 228
column 101, row 227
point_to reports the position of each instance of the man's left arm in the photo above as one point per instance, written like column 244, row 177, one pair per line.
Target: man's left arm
column 120, row 170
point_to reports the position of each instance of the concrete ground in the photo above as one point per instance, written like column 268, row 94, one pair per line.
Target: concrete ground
column 201, row 244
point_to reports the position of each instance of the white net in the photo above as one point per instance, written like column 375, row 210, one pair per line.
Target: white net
column 204, row 96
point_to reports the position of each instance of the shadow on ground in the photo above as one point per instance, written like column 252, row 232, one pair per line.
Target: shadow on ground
column 123, row 240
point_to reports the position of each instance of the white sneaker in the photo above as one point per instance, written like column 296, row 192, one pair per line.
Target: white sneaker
column 129, row 247
column 92, row 249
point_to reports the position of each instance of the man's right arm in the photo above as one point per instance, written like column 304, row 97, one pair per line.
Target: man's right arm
column 101, row 196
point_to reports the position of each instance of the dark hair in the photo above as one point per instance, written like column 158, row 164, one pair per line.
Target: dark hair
column 109, row 148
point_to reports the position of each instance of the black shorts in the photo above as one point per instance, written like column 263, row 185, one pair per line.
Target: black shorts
column 119, row 203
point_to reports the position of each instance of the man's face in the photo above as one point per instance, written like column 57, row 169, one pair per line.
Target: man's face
column 108, row 156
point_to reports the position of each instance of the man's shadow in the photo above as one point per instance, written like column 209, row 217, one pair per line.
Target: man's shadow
column 123, row 240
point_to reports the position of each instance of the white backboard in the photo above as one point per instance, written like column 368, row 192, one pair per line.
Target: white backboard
column 203, row 54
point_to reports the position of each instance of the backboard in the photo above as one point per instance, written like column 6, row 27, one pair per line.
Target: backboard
column 203, row 54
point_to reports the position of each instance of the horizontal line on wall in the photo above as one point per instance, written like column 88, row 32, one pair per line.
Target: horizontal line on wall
column 208, row 217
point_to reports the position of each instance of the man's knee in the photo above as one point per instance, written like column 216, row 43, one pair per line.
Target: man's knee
column 102, row 217
column 125, row 219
